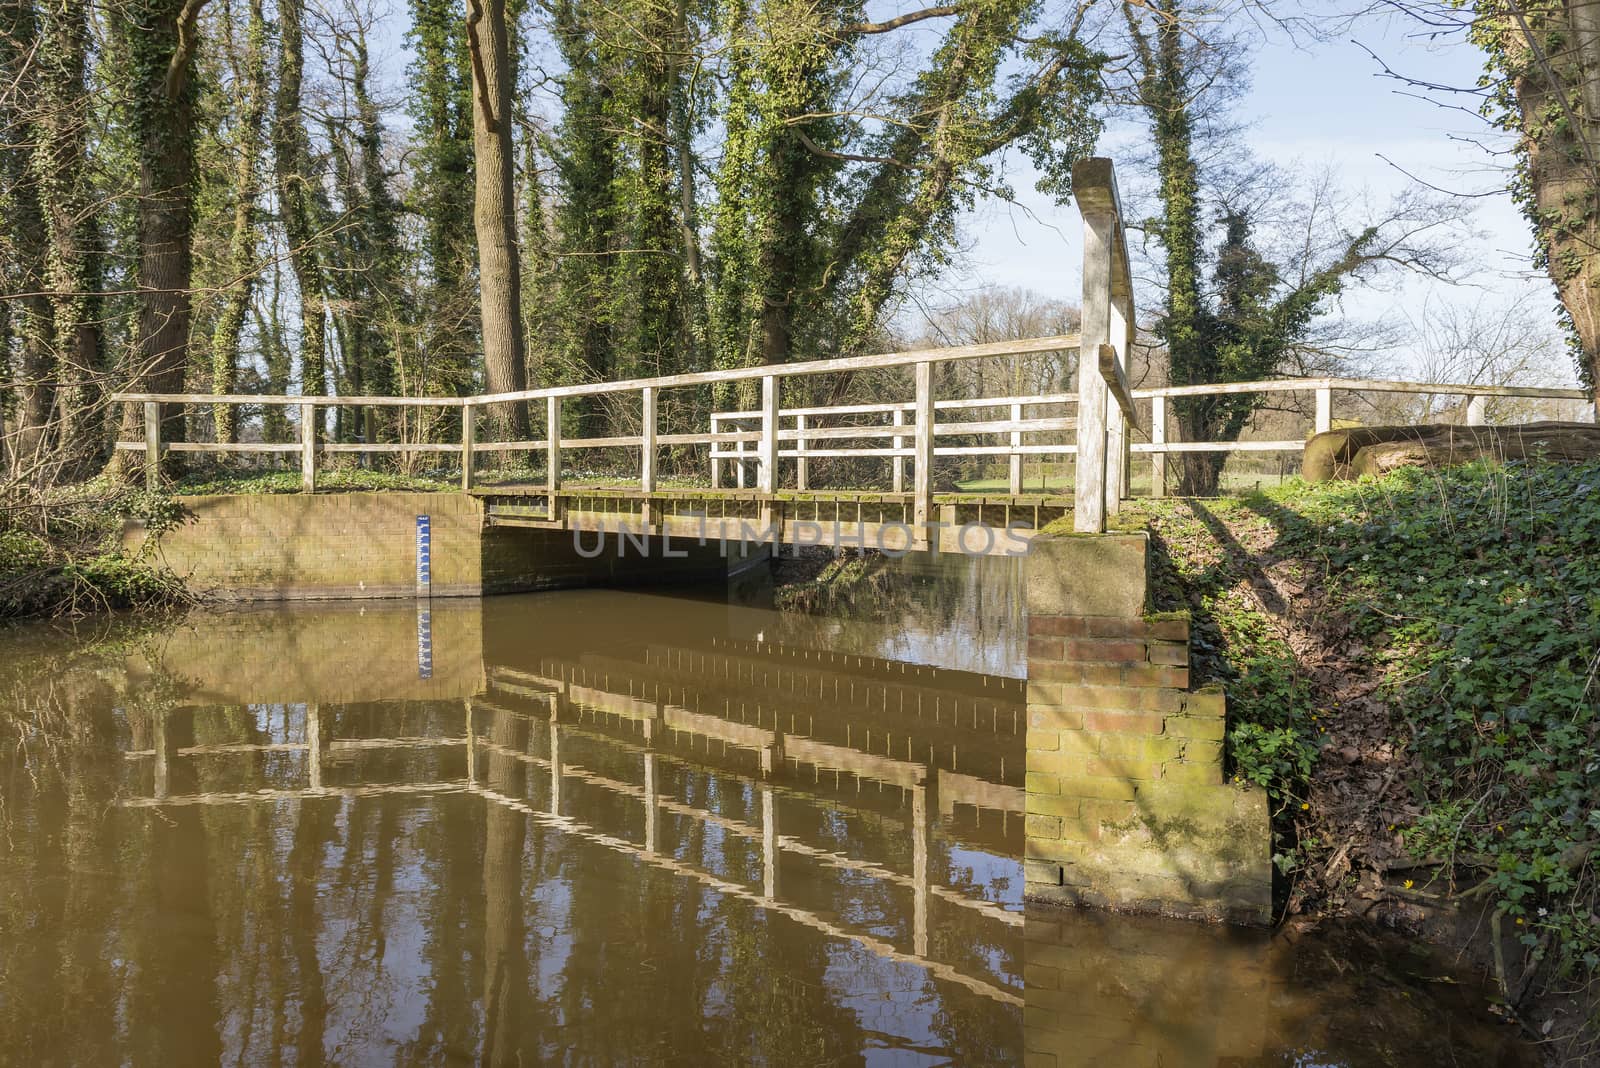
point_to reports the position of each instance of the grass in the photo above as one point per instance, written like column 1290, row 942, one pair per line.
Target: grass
column 1461, row 608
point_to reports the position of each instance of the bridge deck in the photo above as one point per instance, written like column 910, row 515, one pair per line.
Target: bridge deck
column 974, row 523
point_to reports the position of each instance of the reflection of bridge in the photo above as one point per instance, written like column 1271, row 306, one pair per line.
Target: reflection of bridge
column 612, row 729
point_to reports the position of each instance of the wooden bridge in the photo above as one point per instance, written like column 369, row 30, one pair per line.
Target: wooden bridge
column 757, row 466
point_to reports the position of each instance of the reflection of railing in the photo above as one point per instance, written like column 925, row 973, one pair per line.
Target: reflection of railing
column 478, row 748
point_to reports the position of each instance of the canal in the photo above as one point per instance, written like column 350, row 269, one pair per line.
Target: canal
column 605, row 827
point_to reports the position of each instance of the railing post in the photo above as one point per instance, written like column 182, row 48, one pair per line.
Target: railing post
column 1324, row 410
column 739, row 464
column 1475, row 409
column 716, row 463
column 767, row 470
column 922, row 461
column 469, row 438
column 1116, row 421
column 552, row 455
column 647, row 451
column 308, row 448
column 899, row 461
column 152, row 445
column 1016, row 457
column 1158, row 438
column 647, row 440
column 767, row 461
column 1089, row 498
column 802, row 474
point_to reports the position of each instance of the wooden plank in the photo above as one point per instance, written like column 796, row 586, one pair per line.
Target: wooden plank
column 647, row 439
column 384, row 446
column 716, row 459
column 1015, row 480
column 908, row 358
column 308, row 448
column 469, row 436
column 1360, row 385
column 1223, row 446
column 209, row 446
column 291, row 400
column 922, row 462
column 1089, row 500
column 1117, row 382
column 152, row 445
column 767, row 471
column 1475, row 410
column 1158, row 436
column 802, row 470
column 899, row 468
column 1324, row 421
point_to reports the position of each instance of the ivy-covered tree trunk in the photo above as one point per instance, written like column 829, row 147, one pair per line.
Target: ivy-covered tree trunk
column 161, row 38
column 250, row 98
column 72, row 264
column 494, row 214
column 1547, row 56
column 292, row 159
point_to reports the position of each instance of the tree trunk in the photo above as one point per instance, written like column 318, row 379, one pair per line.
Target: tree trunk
column 252, row 105
column 494, row 214
column 292, row 160
column 60, row 137
column 163, row 39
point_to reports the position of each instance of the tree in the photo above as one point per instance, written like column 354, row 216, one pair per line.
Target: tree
column 494, row 212
column 1254, row 313
column 297, row 196
column 250, row 102
column 161, row 39
column 1544, row 82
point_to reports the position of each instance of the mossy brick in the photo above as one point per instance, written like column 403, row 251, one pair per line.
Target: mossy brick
column 1174, row 653
column 1207, row 773
column 1041, row 977
column 1102, row 575
column 1157, row 675
column 1207, row 727
column 1120, row 651
column 1052, row 849
column 1101, row 811
column 1207, row 702
column 1169, row 628
column 1040, row 825
column 1080, row 788
column 1053, row 805
column 1141, row 751
column 1043, row 741
column 1053, row 718
column 1041, row 782
column 1124, row 722
column 1060, row 763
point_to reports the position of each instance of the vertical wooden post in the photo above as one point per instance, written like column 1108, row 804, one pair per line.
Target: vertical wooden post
column 1116, row 421
column 647, row 443
column 1158, row 437
column 1016, row 458
column 767, row 469
column 1324, row 410
column 716, row 446
column 1089, row 499
column 739, row 464
column 308, row 448
column 152, row 445
column 802, row 474
column 552, row 456
column 899, row 461
column 922, row 462
column 469, row 438
column 647, row 452
column 1475, row 409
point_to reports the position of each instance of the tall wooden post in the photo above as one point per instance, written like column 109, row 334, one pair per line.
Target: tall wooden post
column 922, row 461
column 1116, row 421
column 1475, row 410
column 552, row 456
column 899, row 461
column 1016, row 457
column 1095, row 189
column 716, row 447
column 1158, row 437
column 308, row 448
column 152, row 445
column 802, row 470
column 767, row 462
column 1324, row 410
column 647, row 451
column 469, row 438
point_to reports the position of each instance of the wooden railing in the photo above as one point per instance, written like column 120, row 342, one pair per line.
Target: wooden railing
column 1100, row 416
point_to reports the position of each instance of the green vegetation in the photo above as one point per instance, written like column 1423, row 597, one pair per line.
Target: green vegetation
column 1472, row 597
column 67, row 558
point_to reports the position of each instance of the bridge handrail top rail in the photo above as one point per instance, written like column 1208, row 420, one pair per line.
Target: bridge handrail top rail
column 907, row 358
column 1374, row 385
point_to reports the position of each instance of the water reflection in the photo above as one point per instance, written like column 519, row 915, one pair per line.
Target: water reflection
column 601, row 827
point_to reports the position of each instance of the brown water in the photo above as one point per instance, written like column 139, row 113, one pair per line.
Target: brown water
column 602, row 828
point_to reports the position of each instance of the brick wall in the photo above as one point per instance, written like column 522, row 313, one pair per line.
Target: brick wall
column 1126, row 807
